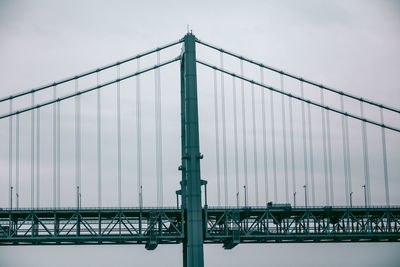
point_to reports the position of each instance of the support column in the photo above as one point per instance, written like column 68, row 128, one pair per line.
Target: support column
column 191, row 192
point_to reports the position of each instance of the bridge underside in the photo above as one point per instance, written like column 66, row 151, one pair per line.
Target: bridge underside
column 227, row 226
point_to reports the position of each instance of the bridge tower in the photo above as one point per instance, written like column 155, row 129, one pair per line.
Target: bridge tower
column 193, row 255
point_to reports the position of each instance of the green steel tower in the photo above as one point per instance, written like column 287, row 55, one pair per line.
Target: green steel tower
column 191, row 182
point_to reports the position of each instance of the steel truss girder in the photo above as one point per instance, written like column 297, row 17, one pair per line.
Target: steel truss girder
column 225, row 226
column 91, row 226
column 247, row 225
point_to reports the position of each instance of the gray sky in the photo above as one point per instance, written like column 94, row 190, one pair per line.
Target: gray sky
column 352, row 46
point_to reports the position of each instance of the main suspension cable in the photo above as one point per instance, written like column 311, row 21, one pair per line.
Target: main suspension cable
column 217, row 138
column 264, row 137
column 59, row 99
column 296, row 97
column 92, row 71
column 298, row 78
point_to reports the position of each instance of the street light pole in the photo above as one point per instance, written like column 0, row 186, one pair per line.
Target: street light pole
column 237, row 199
column 178, row 192
column 204, row 182
column 305, row 195
column 351, row 199
column 245, row 196
column 11, row 197
column 141, row 197
column 365, row 195
column 294, row 199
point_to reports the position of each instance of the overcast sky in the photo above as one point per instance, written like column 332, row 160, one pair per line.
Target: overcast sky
column 349, row 45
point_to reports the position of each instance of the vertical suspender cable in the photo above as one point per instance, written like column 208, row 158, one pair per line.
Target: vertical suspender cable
column 158, row 134
column 99, row 143
column 328, row 130
column 54, row 151
column 10, row 155
column 160, row 154
column 38, row 159
column 139, row 137
column 244, row 134
column 58, row 157
column 254, row 144
column 365, row 154
column 264, row 136
column 385, row 169
column 284, row 143
column 33, row 152
column 292, row 145
column 224, row 131
column 119, row 137
column 17, row 160
column 236, row 140
column 346, row 178
column 77, row 147
column 324, row 150
column 310, row 142
column 217, row 138
column 303, row 120
column 273, row 146
column 346, row 127
column 156, row 114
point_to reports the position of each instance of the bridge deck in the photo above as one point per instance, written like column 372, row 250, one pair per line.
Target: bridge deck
column 227, row 226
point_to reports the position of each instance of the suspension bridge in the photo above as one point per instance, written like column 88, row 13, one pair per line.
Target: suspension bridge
column 282, row 164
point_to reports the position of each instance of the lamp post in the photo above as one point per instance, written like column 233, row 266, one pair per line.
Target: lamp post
column 141, row 197
column 245, row 196
column 11, row 196
column 305, row 195
column 237, row 199
column 77, row 197
column 294, row 199
column 178, row 192
column 204, row 182
column 351, row 199
column 365, row 195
